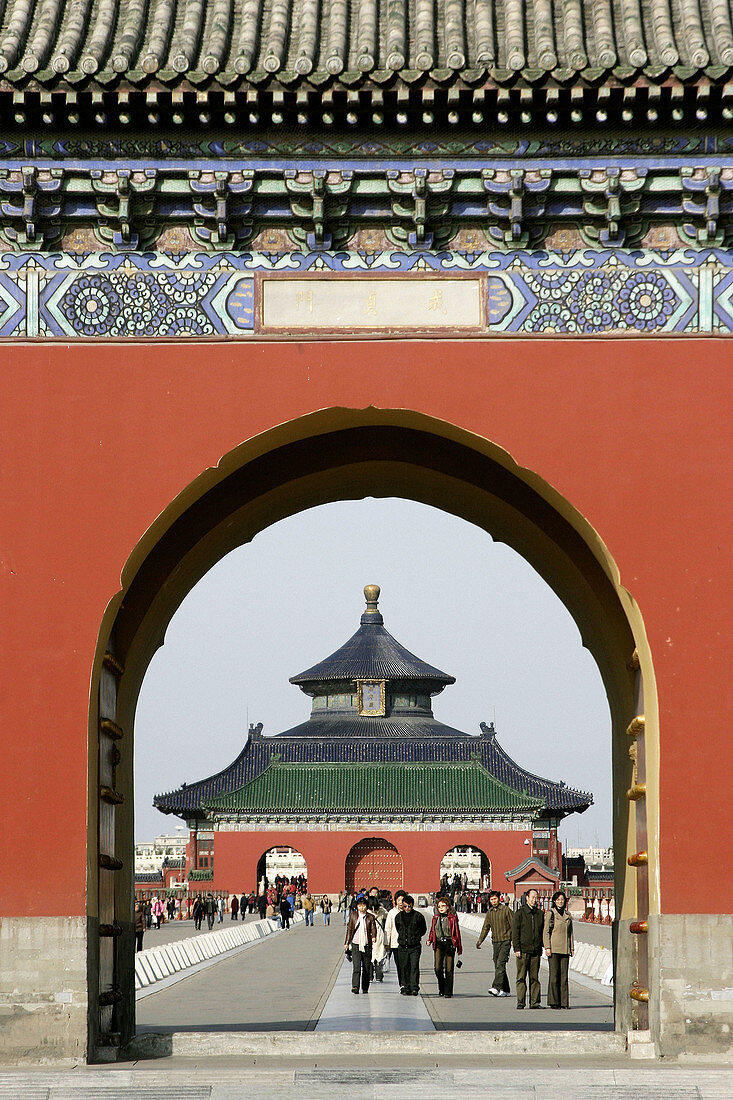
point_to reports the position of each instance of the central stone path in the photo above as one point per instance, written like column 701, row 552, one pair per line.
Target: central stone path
column 381, row 1009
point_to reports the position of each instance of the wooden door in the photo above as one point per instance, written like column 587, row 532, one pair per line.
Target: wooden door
column 373, row 862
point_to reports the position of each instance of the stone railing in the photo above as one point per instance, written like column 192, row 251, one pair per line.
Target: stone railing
column 156, row 963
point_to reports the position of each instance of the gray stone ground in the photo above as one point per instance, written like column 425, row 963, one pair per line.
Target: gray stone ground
column 479, row 1078
column 281, row 984
column 481, row 1046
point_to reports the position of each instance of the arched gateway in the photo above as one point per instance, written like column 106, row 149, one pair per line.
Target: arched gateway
column 373, row 862
column 328, row 457
column 382, row 217
column 528, row 487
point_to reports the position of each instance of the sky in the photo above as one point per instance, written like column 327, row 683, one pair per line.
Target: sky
column 450, row 594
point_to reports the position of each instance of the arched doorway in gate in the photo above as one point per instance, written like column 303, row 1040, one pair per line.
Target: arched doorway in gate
column 281, row 863
column 373, row 862
column 337, row 455
column 465, row 867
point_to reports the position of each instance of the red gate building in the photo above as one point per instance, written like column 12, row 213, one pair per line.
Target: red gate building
column 251, row 263
column 367, row 771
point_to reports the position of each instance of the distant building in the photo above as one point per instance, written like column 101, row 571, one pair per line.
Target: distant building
column 372, row 788
column 151, row 856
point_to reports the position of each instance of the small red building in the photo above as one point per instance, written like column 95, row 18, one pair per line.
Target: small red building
column 372, row 788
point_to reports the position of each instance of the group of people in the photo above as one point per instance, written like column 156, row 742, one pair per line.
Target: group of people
column 462, row 898
column 373, row 934
column 529, row 932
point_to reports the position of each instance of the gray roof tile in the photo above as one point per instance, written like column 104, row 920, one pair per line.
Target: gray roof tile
column 301, row 41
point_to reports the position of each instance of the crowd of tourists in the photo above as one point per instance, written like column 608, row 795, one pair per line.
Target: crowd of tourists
column 379, row 930
column 374, row 934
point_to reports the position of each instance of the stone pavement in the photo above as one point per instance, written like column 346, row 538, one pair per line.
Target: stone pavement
column 245, row 1027
column 276, row 984
column 283, row 983
column 381, row 1009
column 471, row 1080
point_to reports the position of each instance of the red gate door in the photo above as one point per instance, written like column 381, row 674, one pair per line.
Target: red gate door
column 373, row 862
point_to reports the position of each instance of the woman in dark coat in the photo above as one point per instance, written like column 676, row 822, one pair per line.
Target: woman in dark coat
column 139, row 925
column 445, row 940
column 285, row 912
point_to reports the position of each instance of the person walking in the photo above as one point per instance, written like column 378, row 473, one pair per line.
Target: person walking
column 361, row 935
column 527, row 928
column 498, row 921
column 158, row 910
column 326, row 907
column 309, row 908
column 262, row 905
column 445, row 940
column 220, row 909
column 198, row 913
column 285, row 913
column 234, row 906
column 380, row 953
column 410, row 927
column 390, row 932
column 210, row 910
column 139, row 925
column 557, row 938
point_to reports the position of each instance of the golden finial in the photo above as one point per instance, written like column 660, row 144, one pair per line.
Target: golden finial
column 371, row 594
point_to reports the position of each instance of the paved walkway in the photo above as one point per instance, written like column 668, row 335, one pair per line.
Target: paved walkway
column 285, row 984
column 276, row 984
column 292, row 980
column 381, row 1009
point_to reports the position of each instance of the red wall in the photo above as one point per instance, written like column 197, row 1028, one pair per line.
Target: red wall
column 237, row 855
column 98, row 438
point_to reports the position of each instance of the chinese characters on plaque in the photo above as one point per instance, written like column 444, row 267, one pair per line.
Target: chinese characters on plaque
column 346, row 304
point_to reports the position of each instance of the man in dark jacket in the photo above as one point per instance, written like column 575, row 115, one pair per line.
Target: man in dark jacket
column 527, row 929
column 285, row 912
column 410, row 927
column 210, row 910
column 498, row 921
column 139, row 925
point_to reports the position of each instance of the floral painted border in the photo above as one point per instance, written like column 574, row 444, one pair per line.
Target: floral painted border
column 153, row 295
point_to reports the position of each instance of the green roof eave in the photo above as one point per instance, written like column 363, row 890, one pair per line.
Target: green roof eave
column 374, row 788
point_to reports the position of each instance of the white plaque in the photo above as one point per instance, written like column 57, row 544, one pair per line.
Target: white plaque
column 346, row 304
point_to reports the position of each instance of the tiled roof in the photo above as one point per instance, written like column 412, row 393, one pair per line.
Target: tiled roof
column 598, row 874
column 354, row 727
column 367, row 41
column 258, row 754
column 556, row 795
column 532, row 863
column 384, row 788
column 372, row 653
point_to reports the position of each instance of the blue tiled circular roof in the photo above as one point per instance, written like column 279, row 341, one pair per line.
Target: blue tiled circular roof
column 373, row 654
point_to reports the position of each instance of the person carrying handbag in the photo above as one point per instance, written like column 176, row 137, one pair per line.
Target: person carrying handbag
column 445, row 940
